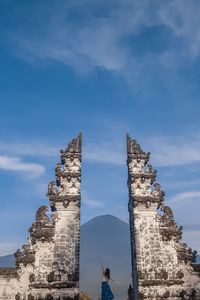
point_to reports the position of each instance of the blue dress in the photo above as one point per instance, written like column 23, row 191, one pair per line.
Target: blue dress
column 106, row 293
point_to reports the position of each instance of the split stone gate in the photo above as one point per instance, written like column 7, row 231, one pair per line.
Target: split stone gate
column 47, row 267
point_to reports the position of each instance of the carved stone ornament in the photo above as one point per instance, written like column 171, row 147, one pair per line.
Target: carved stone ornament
column 134, row 148
column 73, row 150
column 52, row 189
column 75, row 145
column 43, row 228
column 24, row 256
column 141, row 177
column 169, row 229
column 186, row 254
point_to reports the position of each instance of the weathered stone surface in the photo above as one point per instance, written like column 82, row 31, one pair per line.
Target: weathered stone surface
column 43, row 228
column 48, row 266
column 161, row 265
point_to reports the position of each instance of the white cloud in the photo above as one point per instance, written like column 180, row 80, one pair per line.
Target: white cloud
column 16, row 164
column 165, row 151
column 173, row 185
column 185, row 196
column 28, row 148
column 100, row 40
column 101, row 152
column 174, row 151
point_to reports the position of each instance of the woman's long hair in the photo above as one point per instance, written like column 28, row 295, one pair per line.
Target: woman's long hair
column 107, row 273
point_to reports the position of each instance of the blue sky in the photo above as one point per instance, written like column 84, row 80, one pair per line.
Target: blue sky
column 106, row 68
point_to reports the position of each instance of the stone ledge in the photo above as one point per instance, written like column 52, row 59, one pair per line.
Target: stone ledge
column 54, row 285
column 160, row 282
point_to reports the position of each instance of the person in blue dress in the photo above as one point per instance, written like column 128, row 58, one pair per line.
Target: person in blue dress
column 106, row 293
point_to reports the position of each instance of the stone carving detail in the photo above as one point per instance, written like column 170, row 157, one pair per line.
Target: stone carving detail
column 48, row 266
column 161, row 263
column 186, row 254
column 169, row 229
column 141, row 178
column 67, row 186
column 64, row 195
column 134, row 148
column 52, row 189
column 43, row 228
column 24, row 256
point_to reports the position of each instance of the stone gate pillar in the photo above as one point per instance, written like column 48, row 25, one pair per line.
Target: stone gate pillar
column 64, row 196
column 161, row 265
column 47, row 267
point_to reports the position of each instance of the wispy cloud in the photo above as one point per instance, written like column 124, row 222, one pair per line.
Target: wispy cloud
column 104, row 153
column 173, row 185
column 28, row 148
column 185, row 196
column 86, row 199
column 106, row 39
column 16, row 164
column 174, row 151
column 165, row 151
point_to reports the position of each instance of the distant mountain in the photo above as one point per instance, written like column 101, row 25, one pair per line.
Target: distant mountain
column 7, row 261
column 104, row 238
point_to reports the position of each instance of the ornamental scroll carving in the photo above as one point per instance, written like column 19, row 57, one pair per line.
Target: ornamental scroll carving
column 169, row 229
column 24, row 256
column 141, row 179
column 186, row 254
column 66, row 188
column 43, row 229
